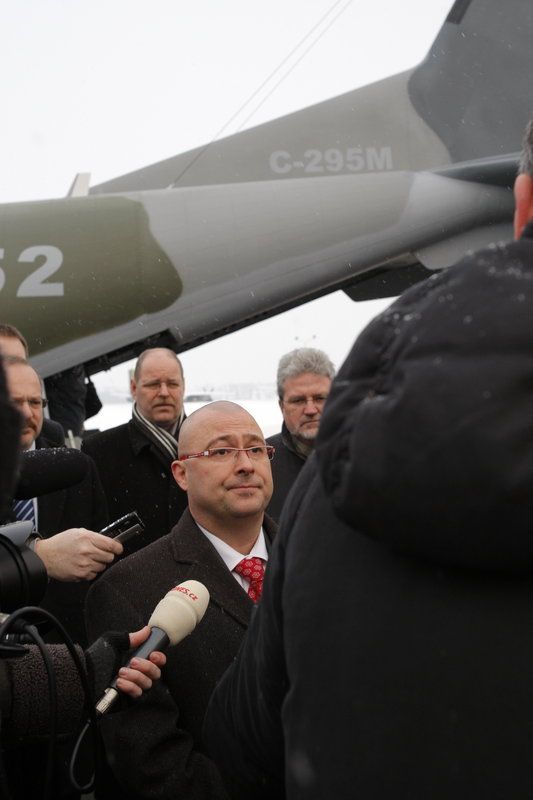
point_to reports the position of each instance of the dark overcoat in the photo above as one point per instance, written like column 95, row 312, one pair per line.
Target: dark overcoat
column 391, row 654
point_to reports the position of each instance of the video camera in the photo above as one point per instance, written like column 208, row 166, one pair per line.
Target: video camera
column 23, row 582
column 23, row 577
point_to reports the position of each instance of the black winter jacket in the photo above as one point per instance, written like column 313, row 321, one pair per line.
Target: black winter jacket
column 391, row 656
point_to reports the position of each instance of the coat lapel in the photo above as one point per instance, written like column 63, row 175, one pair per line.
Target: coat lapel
column 200, row 561
column 139, row 442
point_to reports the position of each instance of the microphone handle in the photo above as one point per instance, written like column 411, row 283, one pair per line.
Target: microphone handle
column 158, row 640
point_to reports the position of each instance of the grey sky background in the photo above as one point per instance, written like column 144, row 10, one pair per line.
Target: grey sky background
column 110, row 86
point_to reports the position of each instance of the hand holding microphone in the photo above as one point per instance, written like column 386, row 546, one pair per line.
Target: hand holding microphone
column 140, row 674
column 174, row 618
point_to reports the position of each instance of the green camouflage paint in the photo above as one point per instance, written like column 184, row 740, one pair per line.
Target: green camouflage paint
column 75, row 267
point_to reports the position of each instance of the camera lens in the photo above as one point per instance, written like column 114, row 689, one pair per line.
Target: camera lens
column 23, row 578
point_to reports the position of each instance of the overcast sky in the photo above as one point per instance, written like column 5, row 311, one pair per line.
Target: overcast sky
column 109, row 86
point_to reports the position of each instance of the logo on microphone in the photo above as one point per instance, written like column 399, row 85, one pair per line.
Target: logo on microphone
column 184, row 590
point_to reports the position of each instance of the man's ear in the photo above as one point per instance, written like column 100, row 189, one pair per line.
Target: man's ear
column 523, row 196
column 133, row 387
column 180, row 474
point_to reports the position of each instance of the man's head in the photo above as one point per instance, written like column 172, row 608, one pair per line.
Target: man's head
column 157, row 386
column 25, row 392
column 523, row 186
column 226, row 488
column 304, row 380
column 12, row 342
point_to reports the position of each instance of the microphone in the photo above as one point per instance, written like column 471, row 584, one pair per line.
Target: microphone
column 174, row 618
column 49, row 470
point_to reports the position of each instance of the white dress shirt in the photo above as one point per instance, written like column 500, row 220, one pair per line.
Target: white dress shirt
column 232, row 557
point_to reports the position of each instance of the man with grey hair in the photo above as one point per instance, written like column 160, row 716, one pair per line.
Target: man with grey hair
column 303, row 382
column 134, row 460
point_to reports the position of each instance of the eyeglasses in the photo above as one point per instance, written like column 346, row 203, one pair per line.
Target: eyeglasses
column 155, row 386
column 301, row 402
column 33, row 402
column 226, row 454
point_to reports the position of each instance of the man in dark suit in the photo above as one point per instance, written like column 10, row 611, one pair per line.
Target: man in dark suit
column 76, row 554
column 134, row 460
column 223, row 541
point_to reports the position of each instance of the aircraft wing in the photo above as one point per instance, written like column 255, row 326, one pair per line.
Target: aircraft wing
column 180, row 267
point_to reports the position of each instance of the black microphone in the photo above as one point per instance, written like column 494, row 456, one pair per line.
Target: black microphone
column 50, row 470
column 174, row 618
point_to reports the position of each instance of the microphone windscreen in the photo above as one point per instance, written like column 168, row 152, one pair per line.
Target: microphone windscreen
column 180, row 610
column 50, row 470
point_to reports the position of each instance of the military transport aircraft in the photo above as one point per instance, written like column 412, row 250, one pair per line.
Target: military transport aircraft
column 367, row 192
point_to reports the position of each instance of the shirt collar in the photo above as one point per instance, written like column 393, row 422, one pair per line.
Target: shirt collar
column 232, row 557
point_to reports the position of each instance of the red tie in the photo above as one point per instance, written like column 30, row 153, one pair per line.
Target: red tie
column 253, row 570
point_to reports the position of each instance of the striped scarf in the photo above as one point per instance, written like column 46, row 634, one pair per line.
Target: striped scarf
column 160, row 438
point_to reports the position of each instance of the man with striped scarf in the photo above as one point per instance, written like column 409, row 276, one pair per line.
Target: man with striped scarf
column 134, row 460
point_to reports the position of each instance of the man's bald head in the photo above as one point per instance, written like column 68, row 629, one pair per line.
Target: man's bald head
column 233, row 485
column 196, row 422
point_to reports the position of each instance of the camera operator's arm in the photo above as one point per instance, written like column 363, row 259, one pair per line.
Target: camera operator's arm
column 77, row 554
column 24, row 700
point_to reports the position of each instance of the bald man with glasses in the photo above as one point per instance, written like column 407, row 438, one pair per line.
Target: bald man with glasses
column 223, row 540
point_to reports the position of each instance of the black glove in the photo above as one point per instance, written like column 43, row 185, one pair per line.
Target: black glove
column 104, row 659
